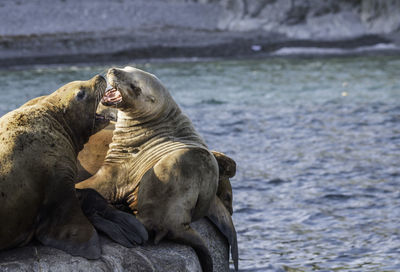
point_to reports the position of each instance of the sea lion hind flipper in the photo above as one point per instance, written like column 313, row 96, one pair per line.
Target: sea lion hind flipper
column 121, row 227
column 189, row 236
column 68, row 229
column 112, row 230
column 219, row 215
column 226, row 165
column 131, row 227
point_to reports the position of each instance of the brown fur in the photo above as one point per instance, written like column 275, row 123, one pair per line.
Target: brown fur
column 95, row 150
column 39, row 145
column 158, row 164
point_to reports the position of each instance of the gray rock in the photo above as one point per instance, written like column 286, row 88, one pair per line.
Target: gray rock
column 166, row 256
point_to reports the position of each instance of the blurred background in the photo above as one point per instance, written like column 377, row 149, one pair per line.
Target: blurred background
column 65, row 31
column 303, row 94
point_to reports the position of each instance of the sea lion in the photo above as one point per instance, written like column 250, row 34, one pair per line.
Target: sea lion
column 92, row 156
column 159, row 165
column 39, row 145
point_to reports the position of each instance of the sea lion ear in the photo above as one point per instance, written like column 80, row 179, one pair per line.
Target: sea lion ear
column 151, row 98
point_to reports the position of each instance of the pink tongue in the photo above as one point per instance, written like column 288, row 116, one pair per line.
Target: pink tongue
column 112, row 96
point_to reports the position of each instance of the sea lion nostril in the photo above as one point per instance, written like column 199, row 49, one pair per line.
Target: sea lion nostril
column 114, row 72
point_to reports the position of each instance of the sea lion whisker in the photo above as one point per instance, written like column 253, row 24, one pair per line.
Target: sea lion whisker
column 95, row 108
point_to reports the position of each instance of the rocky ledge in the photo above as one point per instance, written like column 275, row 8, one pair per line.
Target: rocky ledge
column 166, row 256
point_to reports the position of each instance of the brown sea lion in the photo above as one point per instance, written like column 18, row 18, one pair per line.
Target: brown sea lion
column 39, row 145
column 159, row 165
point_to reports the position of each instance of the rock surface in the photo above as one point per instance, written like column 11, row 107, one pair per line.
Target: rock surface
column 166, row 256
column 61, row 31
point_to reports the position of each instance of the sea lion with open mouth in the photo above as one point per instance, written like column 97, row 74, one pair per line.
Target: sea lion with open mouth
column 39, row 145
column 158, row 165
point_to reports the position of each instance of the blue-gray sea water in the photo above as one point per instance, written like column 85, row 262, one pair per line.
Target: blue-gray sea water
column 316, row 141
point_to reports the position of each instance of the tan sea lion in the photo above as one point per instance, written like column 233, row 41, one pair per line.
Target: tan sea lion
column 39, row 145
column 92, row 156
column 159, row 165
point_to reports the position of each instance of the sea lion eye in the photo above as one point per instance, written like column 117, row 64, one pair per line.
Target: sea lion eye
column 136, row 90
column 80, row 95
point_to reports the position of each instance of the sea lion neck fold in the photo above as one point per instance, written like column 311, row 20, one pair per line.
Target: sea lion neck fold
column 76, row 111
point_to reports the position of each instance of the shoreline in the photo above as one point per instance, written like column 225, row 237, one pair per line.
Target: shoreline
column 40, row 32
column 235, row 48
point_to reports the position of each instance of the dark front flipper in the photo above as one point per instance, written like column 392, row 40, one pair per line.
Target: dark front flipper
column 188, row 236
column 221, row 218
column 121, row 227
column 63, row 225
column 82, row 173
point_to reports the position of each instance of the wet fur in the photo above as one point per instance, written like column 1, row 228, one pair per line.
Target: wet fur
column 39, row 145
column 158, row 164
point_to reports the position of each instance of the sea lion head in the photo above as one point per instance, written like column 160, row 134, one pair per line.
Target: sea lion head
column 76, row 104
column 136, row 92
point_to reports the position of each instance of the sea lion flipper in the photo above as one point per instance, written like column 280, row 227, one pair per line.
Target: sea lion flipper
column 219, row 215
column 82, row 173
column 121, row 227
column 68, row 229
column 129, row 225
column 113, row 231
column 226, row 165
column 188, row 236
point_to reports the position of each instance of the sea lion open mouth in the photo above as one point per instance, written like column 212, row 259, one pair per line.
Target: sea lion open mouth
column 112, row 97
column 100, row 117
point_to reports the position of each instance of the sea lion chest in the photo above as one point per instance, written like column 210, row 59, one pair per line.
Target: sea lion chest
column 137, row 147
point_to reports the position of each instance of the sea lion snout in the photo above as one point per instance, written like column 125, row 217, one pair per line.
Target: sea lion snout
column 123, row 93
column 113, row 71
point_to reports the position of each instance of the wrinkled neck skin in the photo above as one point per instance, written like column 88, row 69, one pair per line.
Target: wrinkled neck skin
column 140, row 141
column 77, row 139
column 135, row 131
column 70, row 129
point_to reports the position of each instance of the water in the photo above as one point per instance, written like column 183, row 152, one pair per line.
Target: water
column 317, row 143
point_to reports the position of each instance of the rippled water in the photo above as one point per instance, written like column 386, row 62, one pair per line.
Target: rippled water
column 317, row 142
